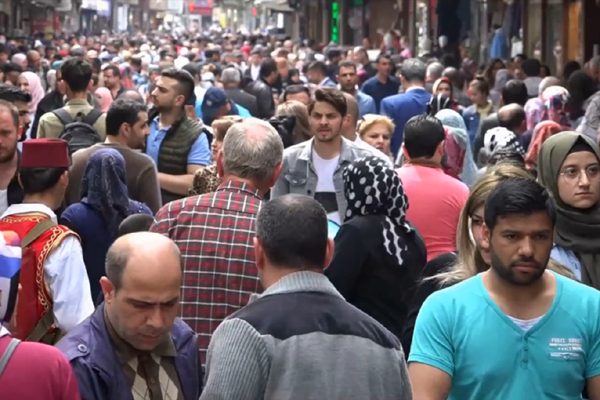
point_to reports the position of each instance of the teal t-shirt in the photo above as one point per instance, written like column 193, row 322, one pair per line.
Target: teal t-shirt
column 462, row 332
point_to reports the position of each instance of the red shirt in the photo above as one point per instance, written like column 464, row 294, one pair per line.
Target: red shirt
column 435, row 201
column 37, row 371
column 215, row 234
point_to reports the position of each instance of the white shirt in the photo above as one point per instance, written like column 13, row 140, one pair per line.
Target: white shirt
column 3, row 200
column 325, row 170
column 65, row 274
column 377, row 153
column 254, row 72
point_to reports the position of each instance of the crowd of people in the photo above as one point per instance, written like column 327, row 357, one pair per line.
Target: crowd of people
column 240, row 218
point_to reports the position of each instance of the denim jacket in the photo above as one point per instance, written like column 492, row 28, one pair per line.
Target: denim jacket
column 472, row 119
column 298, row 175
column 90, row 352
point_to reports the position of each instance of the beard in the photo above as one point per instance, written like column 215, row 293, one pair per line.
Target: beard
column 510, row 275
column 7, row 154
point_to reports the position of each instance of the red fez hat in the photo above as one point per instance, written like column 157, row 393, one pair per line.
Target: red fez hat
column 45, row 153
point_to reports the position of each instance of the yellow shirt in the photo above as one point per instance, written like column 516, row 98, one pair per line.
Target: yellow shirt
column 484, row 111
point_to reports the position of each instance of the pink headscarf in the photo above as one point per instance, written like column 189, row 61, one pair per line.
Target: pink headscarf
column 104, row 97
column 35, row 89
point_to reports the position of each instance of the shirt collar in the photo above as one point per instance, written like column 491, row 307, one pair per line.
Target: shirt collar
column 323, row 81
column 28, row 208
column 301, row 281
column 414, row 88
column 126, row 352
column 77, row 102
column 237, row 186
column 3, row 331
column 345, row 152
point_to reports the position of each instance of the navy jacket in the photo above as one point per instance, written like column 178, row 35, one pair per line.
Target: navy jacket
column 97, row 368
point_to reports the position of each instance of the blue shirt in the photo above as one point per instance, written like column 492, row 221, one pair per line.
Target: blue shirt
column 461, row 331
column 401, row 108
column 199, row 153
column 366, row 104
column 379, row 91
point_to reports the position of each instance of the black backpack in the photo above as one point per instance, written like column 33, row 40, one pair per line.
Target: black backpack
column 79, row 132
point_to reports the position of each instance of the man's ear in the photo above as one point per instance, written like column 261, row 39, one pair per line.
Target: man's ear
column 486, row 237
column 260, row 254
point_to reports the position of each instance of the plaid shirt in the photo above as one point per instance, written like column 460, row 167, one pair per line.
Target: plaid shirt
column 215, row 233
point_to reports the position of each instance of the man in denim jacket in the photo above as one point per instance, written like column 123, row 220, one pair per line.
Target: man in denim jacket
column 314, row 168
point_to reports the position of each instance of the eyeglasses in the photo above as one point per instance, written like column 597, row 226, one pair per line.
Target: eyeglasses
column 573, row 175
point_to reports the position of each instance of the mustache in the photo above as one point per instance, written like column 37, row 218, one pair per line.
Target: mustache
column 526, row 260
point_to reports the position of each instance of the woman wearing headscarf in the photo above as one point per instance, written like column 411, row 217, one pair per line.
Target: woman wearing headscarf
column 104, row 205
column 458, row 148
column 569, row 167
column 502, row 78
column 378, row 256
column 104, row 97
column 31, row 83
column 541, row 133
column 581, row 88
column 20, row 59
column 555, row 100
column 590, row 125
column 51, row 79
column 443, row 87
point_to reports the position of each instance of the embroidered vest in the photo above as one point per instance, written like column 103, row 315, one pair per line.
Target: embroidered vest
column 35, row 299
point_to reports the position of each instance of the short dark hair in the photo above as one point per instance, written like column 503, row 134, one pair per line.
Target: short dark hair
column 192, row 69
column 13, row 94
column 347, row 64
column 521, row 56
column 518, row 196
column 515, row 92
column 12, row 67
column 481, row 85
column 422, row 136
column 531, row 67
column 513, row 118
column 122, row 111
column 137, row 96
column 39, row 180
column 185, row 81
column 332, row 96
column 381, row 56
column 136, row 223
column 295, row 89
column 137, row 61
column 116, row 261
column 267, row 67
column 318, row 65
column 305, row 246
column 114, row 69
column 77, row 73
column 334, row 52
column 14, row 112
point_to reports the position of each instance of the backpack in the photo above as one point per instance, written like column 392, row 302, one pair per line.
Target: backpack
column 79, row 133
column 28, row 327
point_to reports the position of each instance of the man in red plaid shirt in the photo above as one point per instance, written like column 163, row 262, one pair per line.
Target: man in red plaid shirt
column 215, row 231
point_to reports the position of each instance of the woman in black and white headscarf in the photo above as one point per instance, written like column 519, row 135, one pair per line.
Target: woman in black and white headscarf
column 379, row 256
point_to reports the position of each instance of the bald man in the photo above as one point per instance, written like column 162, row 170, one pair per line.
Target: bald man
column 134, row 346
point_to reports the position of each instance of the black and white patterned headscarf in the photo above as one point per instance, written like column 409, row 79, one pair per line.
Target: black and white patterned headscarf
column 372, row 188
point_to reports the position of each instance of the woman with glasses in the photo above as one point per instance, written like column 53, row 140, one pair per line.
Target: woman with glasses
column 569, row 166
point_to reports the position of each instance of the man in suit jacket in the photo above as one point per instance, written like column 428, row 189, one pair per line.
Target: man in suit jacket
column 231, row 80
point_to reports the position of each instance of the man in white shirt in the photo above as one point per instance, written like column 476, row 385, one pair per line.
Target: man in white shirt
column 64, row 287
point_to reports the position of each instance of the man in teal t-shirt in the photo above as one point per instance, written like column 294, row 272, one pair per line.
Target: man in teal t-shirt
column 516, row 331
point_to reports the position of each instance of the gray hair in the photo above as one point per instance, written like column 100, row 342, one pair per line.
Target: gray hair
column 547, row 82
column 230, row 75
column 435, row 70
column 252, row 149
column 414, row 70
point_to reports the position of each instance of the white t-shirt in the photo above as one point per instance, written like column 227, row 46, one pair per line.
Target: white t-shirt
column 325, row 193
column 3, row 201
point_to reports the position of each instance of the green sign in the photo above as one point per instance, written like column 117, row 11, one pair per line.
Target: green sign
column 335, row 22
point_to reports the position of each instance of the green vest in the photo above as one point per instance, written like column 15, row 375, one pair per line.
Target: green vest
column 174, row 150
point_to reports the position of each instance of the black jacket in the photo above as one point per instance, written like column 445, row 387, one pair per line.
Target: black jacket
column 264, row 95
column 371, row 279
column 244, row 99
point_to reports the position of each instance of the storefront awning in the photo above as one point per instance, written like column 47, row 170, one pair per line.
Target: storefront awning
column 275, row 5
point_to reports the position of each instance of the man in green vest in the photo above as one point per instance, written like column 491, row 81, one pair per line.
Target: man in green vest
column 176, row 143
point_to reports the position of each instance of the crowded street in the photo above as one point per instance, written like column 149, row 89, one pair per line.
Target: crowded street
column 299, row 200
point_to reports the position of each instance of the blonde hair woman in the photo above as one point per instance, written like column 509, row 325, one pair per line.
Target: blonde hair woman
column 298, row 110
column 376, row 130
column 452, row 268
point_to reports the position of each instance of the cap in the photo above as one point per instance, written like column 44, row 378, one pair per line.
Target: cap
column 214, row 99
column 45, row 153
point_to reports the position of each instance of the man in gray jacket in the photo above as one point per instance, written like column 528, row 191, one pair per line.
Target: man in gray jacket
column 300, row 339
column 314, row 168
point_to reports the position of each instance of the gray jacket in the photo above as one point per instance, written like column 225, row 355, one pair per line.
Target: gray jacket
column 298, row 175
column 301, row 340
